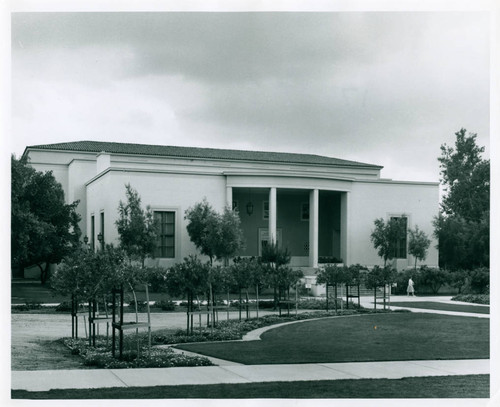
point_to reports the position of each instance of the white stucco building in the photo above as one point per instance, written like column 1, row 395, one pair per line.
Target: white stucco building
column 317, row 206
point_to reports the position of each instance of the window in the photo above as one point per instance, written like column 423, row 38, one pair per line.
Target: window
column 102, row 230
column 265, row 209
column 165, row 246
column 400, row 239
column 304, row 211
column 92, row 232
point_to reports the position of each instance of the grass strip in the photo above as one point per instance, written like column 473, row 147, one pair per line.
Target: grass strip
column 471, row 386
column 477, row 309
column 362, row 338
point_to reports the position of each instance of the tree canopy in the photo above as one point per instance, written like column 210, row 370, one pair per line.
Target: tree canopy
column 386, row 235
column 44, row 229
column 89, row 275
column 218, row 236
column 462, row 227
column 137, row 228
column 418, row 243
column 465, row 177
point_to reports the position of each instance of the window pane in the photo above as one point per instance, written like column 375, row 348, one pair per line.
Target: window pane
column 166, row 237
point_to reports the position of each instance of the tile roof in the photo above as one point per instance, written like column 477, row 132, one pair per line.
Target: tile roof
column 196, row 152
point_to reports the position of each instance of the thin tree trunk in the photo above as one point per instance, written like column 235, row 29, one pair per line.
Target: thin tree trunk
column 212, row 305
column 247, row 310
column 257, row 295
column 239, row 289
column 44, row 272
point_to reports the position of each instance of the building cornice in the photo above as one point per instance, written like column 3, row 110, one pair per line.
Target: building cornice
column 398, row 182
column 286, row 174
column 141, row 157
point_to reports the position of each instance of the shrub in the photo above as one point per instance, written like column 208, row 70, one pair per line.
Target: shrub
column 471, row 281
column 27, row 306
column 434, row 278
column 473, row 298
column 266, row 304
column 64, row 306
column 141, row 305
column 459, row 280
column 402, row 278
column 165, row 305
column 313, row 304
column 480, row 280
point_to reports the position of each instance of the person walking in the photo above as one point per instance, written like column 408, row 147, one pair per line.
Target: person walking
column 411, row 288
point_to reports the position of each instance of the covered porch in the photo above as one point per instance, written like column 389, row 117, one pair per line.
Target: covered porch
column 311, row 223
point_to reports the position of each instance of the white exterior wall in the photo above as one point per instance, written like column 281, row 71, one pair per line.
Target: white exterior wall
column 371, row 200
column 162, row 192
column 167, row 183
column 79, row 172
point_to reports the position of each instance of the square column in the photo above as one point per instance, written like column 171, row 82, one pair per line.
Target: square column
column 344, row 228
column 313, row 227
column 229, row 197
column 272, row 215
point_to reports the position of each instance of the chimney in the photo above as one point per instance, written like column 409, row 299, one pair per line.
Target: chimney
column 103, row 161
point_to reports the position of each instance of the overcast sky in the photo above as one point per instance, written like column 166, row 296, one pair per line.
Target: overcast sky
column 385, row 88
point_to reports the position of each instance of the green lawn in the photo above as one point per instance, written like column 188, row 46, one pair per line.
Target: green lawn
column 478, row 309
column 34, row 292
column 371, row 337
column 473, row 386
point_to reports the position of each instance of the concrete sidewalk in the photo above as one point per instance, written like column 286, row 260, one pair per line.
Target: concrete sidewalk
column 43, row 380
column 367, row 302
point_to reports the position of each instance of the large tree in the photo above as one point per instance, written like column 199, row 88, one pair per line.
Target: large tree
column 137, row 228
column 462, row 227
column 465, row 177
column 44, row 229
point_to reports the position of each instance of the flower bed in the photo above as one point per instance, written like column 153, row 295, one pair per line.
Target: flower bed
column 101, row 356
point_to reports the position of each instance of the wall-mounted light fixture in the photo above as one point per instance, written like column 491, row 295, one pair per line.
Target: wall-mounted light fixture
column 86, row 240
column 249, row 208
column 249, row 204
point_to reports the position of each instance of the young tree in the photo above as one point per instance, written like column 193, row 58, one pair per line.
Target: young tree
column 274, row 259
column 87, row 275
column 137, row 227
column 188, row 278
column 242, row 270
column 380, row 276
column 218, row 236
column 418, row 243
column 228, row 241
column 44, row 229
column 332, row 275
column 385, row 237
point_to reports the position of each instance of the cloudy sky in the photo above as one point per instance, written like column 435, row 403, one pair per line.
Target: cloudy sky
column 386, row 88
